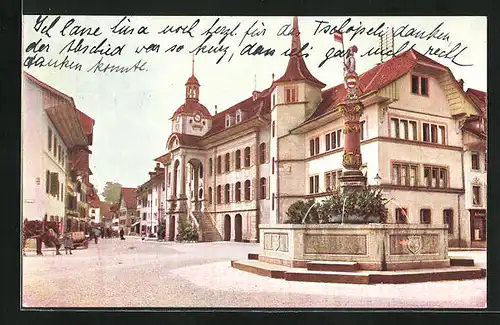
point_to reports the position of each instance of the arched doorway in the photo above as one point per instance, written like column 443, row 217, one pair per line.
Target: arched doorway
column 176, row 174
column 227, row 227
column 171, row 228
column 237, row 227
column 196, row 173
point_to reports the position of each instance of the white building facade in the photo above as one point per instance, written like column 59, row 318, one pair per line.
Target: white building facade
column 50, row 128
column 245, row 166
column 151, row 202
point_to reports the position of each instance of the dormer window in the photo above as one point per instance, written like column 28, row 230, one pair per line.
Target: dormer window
column 419, row 85
column 238, row 116
column 291, row 94
column 229, row 120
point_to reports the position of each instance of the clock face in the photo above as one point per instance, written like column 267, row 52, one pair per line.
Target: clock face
column 197, row 118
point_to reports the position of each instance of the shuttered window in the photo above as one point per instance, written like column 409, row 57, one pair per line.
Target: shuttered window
column 263, row 188
column 50, row 140
column 237, row 189
column 247, row 190
column 47, row 182
column 262, row 153
column 54, row 184
column 247, row 157
column 237, row 162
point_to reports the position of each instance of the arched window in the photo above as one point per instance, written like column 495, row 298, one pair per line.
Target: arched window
column 210, row 195
column 210, row 166
column 219, row 164
column 219, row 194
column 262, row 152
column 247, row 157
column 227, row 162
column 238, row 159
column 226, row 193
column 237, row 192
column 263, row 188
column 201, row 170
column 247, row 189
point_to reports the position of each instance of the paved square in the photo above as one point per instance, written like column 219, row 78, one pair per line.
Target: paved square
column 135, row 273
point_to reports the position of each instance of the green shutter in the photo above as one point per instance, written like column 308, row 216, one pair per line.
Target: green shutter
column 54, row 184
column 47, row 182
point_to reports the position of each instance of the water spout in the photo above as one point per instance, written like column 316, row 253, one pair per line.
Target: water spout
column 307, row 213
column 343, row 209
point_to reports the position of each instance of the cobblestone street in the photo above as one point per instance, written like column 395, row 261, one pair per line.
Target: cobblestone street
column 135, row 273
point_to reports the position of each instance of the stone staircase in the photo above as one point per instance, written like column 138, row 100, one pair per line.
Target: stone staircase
column 209, row 231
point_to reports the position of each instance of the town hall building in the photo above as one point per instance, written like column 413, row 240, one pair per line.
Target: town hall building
column 423, row 142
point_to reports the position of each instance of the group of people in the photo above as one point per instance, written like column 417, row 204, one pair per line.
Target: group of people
column 96, row 232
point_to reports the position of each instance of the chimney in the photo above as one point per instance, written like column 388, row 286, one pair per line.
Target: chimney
column 461, row 83
column 215, row 109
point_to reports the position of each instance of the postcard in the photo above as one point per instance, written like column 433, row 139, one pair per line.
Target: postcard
column 254, row 162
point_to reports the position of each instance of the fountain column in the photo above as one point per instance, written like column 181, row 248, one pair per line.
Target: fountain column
column 351, row 108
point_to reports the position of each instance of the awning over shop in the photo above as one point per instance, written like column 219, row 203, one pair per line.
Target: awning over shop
column 135, row 224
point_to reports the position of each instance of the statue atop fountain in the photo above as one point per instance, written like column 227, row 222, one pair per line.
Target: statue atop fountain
column 351, row 109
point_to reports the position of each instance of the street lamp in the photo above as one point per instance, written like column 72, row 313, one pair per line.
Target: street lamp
column 377, row 179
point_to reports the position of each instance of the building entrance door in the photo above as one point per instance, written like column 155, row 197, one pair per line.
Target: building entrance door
column 478, row 228
column 237, row 227
column 227, row 227
column 171, row 228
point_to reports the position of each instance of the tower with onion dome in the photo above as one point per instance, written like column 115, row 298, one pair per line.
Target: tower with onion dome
column 192, row 117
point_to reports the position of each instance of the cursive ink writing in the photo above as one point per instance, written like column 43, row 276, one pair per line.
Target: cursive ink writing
column 422, row 34
column 183, row 29
column 448, row 54
column 175, row 48
column 210, row 49
column 124, row 29
column 79, row 30
column 283, row 31
column 332, row 53
column 387, row 51
column 37, row 47
column 150, row 48
column 254, row 32
column 101, row 67
column 96, row 49
column 221, row 30
column 39, row 61
column 42, row 28
column 250, row 49
column 296, row 52
column 326, row 28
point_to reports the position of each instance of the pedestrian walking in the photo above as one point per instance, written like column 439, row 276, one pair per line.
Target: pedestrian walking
column 68, row 243
column 97, row 233
column 122, row 233
column 102, row 232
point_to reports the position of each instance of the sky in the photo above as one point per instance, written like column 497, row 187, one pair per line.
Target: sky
column 132, row 110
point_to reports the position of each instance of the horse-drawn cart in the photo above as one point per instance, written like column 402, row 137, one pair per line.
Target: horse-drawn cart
column 79, row 239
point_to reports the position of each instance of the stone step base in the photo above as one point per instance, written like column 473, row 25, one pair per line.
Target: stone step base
column 253, row 256
column 261, row 268
column 304, row 275
column 333, row 266
column 461, row 261
column 359, row 277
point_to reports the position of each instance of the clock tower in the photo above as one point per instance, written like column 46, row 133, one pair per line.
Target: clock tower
column 192, row 117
